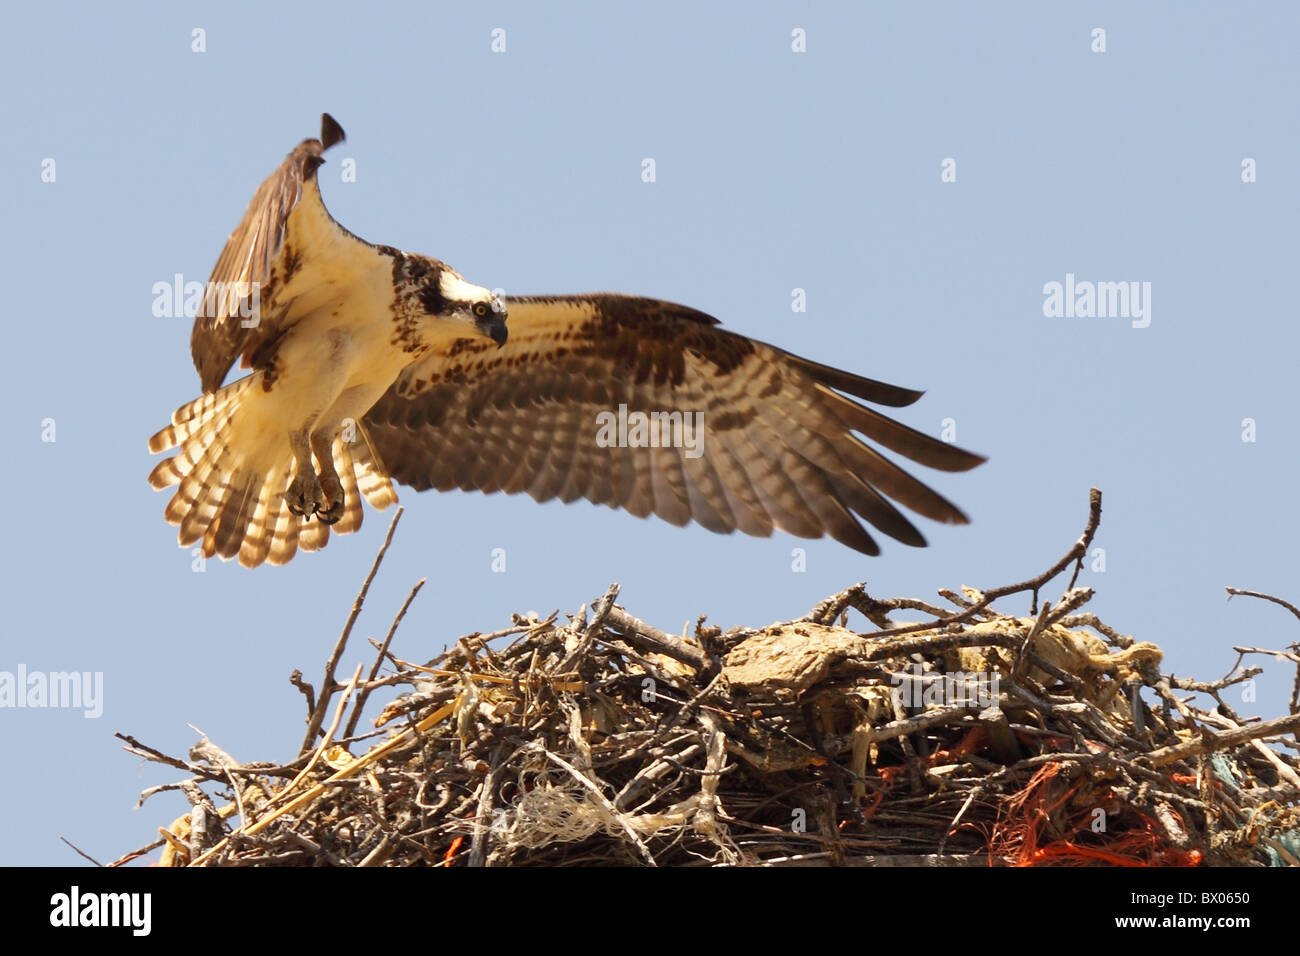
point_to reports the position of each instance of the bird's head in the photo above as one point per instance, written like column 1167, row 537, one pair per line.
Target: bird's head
column 446, row 302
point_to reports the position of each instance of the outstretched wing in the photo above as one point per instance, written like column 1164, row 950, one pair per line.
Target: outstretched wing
column 778, row 448
column 270, row 272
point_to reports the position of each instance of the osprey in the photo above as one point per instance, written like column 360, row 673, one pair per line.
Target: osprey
column 372, row 364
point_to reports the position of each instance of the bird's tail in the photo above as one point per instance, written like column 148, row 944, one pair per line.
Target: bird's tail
column 233, row 467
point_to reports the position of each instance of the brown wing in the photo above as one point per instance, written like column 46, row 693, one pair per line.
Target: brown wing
column 254, row 257
column 778, row 449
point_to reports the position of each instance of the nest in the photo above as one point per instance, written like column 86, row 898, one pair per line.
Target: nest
column 971, row 737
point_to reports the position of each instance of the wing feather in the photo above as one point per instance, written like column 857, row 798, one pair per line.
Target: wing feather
column 780, row 448
column 285, row 242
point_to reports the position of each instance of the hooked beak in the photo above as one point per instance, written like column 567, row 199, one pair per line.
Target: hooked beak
column 493, row 325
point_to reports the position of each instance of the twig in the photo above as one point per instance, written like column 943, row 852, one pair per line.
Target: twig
column 80, row 852
column 1264, row 597
column 1221, row 741
column 364, row 694
column 601, row 611
column 478, row 849
column 649, row 638
column 327, row 686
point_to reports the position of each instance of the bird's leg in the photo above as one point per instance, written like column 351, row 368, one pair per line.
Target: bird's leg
column 331, row 510
column 304, row 495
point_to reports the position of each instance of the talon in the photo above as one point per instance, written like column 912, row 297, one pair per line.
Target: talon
column 331, row 509
column 304, row 496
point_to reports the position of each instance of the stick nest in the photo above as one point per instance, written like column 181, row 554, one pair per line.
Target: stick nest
column 971, row 736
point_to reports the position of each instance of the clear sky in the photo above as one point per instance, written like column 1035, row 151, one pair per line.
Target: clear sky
column 775, row 170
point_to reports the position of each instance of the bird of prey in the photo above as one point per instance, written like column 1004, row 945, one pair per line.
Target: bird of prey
column 370, row 364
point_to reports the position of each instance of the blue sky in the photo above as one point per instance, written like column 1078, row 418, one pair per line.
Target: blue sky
column 775, row 170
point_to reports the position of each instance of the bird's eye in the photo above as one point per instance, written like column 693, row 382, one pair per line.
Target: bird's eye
column 481, row 309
